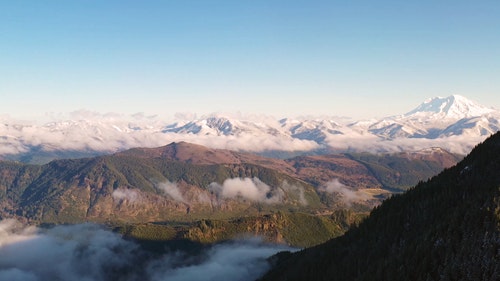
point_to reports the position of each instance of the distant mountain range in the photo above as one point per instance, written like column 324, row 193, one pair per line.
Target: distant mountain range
column 453, row 123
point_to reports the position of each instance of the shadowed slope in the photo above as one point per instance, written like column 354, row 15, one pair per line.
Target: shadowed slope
column 447, row 228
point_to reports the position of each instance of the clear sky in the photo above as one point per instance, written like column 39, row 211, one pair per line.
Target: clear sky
column 282, row 58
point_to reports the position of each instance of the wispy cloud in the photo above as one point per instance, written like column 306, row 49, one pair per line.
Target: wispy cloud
column 172, row 190
column 346, row 194
column 126, row 195
column 297, row 190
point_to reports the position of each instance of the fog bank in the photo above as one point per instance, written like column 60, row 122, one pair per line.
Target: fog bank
column 90, row 252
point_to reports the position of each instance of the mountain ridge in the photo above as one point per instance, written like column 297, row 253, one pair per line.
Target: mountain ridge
column 453, row 123
column 187, row 179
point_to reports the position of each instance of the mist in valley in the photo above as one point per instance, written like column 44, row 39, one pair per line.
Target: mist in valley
column 92, row 252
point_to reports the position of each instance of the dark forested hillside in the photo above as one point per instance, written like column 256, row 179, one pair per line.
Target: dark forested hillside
column 405, row 169
column 447, row 228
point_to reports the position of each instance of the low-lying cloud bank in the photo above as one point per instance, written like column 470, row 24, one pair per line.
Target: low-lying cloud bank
column 90, row 252
column 78, row 252
column 235, row 261
column 373, row 144
column 90, row 132
column 102, row 133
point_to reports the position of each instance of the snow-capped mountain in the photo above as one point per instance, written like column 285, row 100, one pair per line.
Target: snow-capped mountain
column 434, row 118
column 483, row 125
column 453, row 123
column 223, row 126
column 315, row 130
column 452, row 107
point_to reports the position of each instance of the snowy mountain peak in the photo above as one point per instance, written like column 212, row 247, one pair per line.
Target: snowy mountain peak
column 454, row 122
column 455, row 106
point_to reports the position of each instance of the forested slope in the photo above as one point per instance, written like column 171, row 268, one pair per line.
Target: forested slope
column 447, row 228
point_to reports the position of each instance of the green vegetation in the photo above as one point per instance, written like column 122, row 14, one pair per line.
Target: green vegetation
column 124, row 189
column 447, row 228
column 304, row 230
column 399, row 171
column 296, row 229
column 148, row 231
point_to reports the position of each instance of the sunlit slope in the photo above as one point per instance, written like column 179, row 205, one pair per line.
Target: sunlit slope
column 188, row 183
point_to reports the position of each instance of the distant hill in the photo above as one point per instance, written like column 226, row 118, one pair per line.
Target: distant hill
column 446, row 228
column 184, row 182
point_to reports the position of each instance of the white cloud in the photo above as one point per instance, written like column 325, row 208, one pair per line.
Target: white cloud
column 9, row 226
column 249, row 188
column 124, row 194
column 86, row 132
column 246, row 142
column 105, row 133
column 242, row 260
column 172, row 190
column 371, row 143
column 79, row 252
column 290, row 188
column 347, row 195
column 90, row 252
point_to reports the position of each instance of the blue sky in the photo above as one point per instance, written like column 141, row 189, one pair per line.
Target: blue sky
column 282, row 58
